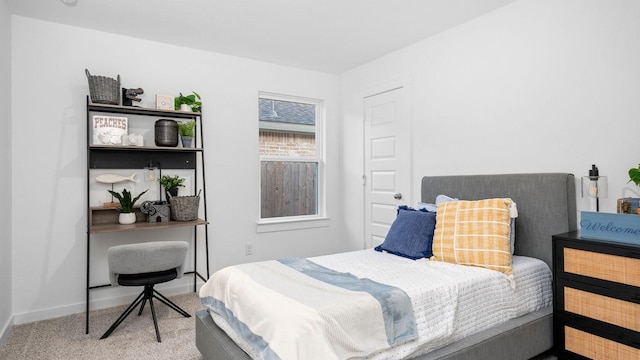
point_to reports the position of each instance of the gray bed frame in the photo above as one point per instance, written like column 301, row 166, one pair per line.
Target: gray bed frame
column 546, row 206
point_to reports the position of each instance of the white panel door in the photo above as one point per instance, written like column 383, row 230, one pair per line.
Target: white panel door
column 387, row 162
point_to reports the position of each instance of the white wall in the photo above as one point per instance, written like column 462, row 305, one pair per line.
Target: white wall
column 538, row 85
column 5, row 180
column 50, row 158
column 535, row 86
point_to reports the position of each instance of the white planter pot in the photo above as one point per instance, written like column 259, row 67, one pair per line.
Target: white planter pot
column 127, row 218
column 185, row 107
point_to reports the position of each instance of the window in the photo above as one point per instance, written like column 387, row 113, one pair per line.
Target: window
column 290, row 157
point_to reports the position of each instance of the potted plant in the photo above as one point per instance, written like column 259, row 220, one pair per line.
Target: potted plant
column 171, row 184
column 188, row 103
column 187, row 132
column 634, row 175
column 127, row 214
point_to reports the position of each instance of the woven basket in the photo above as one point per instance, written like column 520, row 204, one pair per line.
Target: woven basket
column 184, row 208
column 103, row 90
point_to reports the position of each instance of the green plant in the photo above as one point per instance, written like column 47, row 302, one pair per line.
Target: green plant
column 187, row 128
column 634, row 175
column 126, row 202
column 192, row 100
column 170, row 182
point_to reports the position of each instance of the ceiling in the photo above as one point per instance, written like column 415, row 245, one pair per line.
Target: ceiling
column 324, row 35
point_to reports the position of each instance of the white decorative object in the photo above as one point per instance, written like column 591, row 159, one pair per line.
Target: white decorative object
column 165, row 102
column 185, row 107
column 127, row 218
column 132, row 140
column 108, row 130
column 113, row 178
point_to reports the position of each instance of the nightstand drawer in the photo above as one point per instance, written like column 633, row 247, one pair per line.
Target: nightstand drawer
column 595, row 347
column 596, row 298
column 610, row 310
column 608, row 267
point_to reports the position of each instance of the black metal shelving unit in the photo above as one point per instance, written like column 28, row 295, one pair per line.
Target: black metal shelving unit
column 104, row 220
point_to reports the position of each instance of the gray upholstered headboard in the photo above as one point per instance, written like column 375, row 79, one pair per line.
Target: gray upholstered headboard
column 546, row 203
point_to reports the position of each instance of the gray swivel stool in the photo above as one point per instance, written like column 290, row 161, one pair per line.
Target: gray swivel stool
column 146, row 264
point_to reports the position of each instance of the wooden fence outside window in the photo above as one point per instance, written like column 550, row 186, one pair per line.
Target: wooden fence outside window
column 288, row 188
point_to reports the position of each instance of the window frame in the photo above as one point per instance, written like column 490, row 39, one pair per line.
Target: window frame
column 298, row 221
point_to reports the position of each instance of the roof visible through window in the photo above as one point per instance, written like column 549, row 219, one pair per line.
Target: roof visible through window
column 287, row 112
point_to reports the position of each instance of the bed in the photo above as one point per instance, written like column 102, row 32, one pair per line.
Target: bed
column 546, row 206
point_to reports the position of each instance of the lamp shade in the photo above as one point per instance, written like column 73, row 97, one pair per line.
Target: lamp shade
column 594, row 186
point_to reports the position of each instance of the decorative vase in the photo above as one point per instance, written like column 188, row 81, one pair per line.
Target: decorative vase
column 127, row 218
column 185, row 107
column 166, row 133
column 186, row 141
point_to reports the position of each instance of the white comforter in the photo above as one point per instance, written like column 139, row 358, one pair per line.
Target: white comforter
column 449, row 302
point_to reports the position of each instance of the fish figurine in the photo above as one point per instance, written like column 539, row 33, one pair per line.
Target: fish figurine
column 113, row 178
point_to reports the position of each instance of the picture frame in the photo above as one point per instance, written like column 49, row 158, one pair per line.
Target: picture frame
column 165, row 102
column 108, row 130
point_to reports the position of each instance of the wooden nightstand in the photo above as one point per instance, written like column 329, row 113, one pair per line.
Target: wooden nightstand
column 596, row 298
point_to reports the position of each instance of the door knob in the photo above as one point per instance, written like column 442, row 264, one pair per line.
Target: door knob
column 397, row 196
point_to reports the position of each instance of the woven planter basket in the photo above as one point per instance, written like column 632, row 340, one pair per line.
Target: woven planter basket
column 184, row 208
column 103, row 90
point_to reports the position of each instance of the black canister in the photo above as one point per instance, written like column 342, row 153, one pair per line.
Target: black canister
column 166, row 132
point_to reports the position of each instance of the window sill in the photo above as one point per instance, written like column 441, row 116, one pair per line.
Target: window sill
column 266, row 225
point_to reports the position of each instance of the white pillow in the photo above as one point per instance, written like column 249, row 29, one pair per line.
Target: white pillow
column 444, row 198
column 426, row 206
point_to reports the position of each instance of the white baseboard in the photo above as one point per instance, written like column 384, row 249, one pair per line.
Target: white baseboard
column 6, row 331
column 124, row 296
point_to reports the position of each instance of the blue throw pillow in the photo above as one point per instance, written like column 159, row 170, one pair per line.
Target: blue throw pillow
column 411, row 234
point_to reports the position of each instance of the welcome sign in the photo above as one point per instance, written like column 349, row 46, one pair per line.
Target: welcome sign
column 609, row 226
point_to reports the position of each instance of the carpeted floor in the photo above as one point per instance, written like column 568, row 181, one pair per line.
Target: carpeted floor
column 64, row 338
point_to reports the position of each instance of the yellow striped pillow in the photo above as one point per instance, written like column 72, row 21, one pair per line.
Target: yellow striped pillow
column 474, row 233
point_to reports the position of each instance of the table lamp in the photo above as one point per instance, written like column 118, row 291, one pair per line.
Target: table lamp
column 594, row 186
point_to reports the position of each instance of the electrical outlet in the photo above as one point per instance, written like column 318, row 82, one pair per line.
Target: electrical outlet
column 248, row 248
